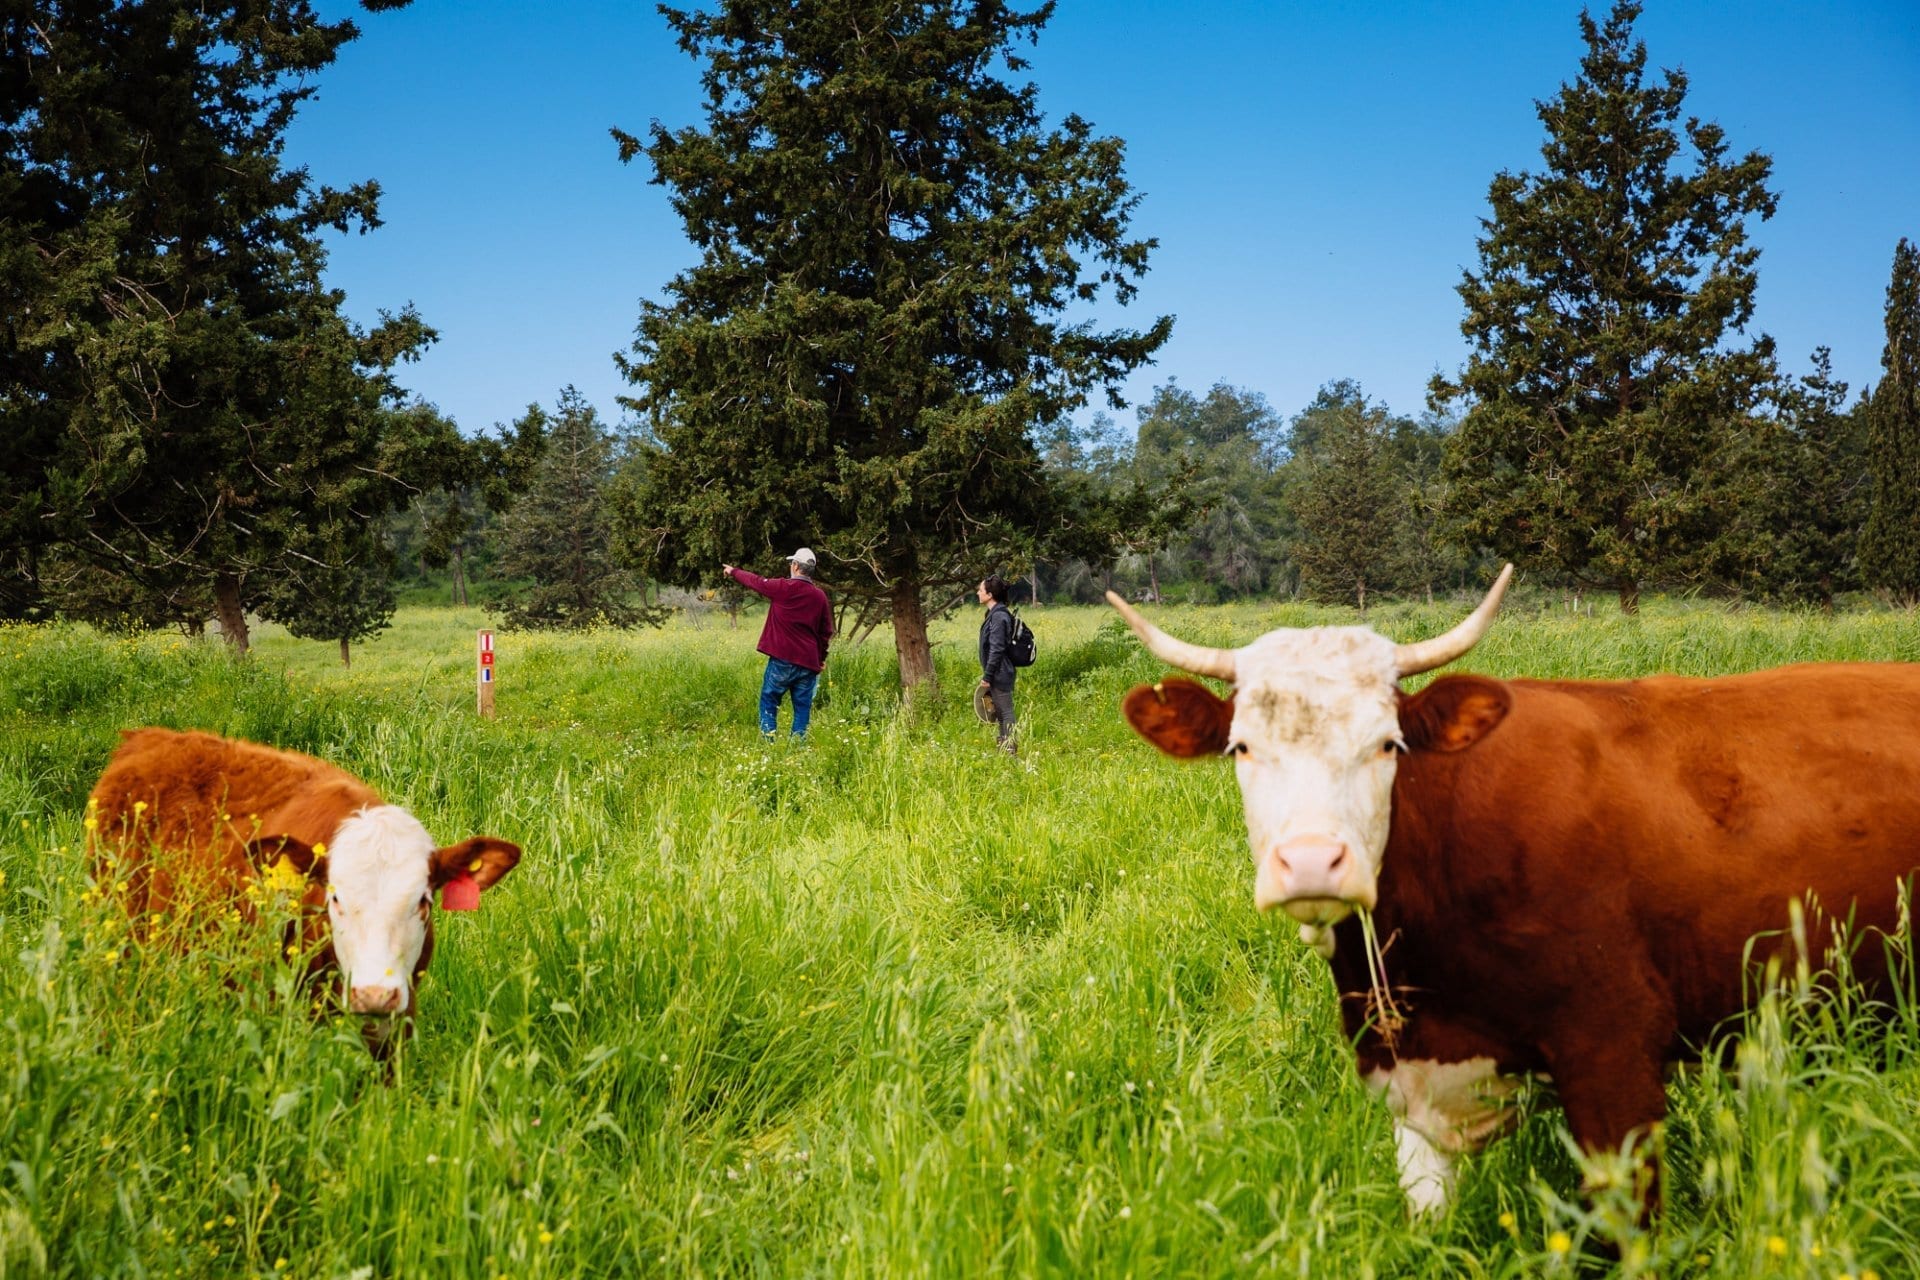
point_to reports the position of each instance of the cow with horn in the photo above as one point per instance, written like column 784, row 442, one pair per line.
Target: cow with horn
column 1567, row 880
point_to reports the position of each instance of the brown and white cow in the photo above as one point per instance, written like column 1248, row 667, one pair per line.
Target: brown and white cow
column 192, row 818
column 1563, row 877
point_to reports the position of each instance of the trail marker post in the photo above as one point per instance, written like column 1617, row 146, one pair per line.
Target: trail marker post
column 483, row 672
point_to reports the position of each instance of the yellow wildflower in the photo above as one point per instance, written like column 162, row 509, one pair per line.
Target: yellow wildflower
column 319, row 849
column 1559, row 1242
column 1776, row 1246
column 286, row 877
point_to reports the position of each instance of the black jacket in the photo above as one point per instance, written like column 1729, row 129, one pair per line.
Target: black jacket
column 996, row 631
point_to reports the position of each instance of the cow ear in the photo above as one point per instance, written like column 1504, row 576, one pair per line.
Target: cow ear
column 1180, row 717
column 1453, row 713
column 268, row 852
column 484, row 859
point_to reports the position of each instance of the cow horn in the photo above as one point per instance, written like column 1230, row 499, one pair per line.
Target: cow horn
column 1425, row 655
column 1197, row 658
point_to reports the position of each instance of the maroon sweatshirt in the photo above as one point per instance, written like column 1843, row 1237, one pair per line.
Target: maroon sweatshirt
column 799, row 619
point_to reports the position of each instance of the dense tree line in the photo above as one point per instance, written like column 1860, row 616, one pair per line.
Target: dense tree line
column 880, row 352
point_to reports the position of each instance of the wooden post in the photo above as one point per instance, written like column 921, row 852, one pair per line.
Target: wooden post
column 483, row 657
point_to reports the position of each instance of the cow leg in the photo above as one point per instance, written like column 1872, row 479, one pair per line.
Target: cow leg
column 1614, row 1095
column 1441, row 1111
column 1427, row 1174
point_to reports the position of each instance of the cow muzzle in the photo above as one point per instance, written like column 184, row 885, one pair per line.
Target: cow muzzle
column 375, row 1000
column 1316, row 879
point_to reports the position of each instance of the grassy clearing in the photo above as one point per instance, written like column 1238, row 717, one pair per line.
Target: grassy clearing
column 887, row 1004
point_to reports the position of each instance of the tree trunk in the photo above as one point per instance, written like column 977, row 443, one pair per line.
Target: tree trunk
column 1629, row 596
column 232, row 614
column 1033, row 580
column 917, row 682
column 459, row 577
column 1153, row 579
column 346, row 659
column 1363, row 597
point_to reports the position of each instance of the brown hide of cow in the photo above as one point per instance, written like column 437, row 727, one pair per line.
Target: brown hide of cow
column 187, row 820
column 1574, row 869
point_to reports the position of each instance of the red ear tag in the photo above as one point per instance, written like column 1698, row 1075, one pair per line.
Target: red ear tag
column 460, row 894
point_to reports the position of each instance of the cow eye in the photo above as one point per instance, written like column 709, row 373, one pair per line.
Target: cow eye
column 426, row 903
column 1236, row 748
column 1392, row 745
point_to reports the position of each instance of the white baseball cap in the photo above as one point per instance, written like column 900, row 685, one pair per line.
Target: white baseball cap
column 804, row 557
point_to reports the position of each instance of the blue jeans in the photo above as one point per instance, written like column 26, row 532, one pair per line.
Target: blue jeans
column 784, row 677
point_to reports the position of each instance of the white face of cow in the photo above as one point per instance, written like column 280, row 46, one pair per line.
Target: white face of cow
column 378, row 903
column 1315, row 739
column 1314, row 731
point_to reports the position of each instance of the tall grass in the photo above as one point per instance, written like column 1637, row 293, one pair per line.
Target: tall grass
column 884, row 1004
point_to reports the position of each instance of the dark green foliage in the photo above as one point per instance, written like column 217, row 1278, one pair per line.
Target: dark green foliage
column 1890, row 544
column 185, row 406
column 1231, row 525
column 556, row 535
column 467, row 482
column 1351, row 496
column 346, row 596
column 1797, row 494
column 1601, row 388
column 891, row 241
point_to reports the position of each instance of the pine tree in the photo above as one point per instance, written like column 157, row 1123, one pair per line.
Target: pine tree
column 891, row 242
column 1349, row 496
column 1890, row 544
column 345, row 594
column 1601, row 382
column 557, row 532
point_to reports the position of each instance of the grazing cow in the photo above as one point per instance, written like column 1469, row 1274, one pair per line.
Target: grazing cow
column 191, row 819
column 1563, row 877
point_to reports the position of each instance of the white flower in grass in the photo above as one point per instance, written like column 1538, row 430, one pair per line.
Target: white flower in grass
column 1126, row 1211
column 1128, row 1086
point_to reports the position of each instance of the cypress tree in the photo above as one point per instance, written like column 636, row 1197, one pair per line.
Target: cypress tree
column 1601, row 383
column 185, row 405
column 890, row 241
column 1890, row 544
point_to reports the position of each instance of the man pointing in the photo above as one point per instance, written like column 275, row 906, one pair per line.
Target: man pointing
column 799, row 624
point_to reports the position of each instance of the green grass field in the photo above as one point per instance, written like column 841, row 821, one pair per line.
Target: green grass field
column 888, row 1004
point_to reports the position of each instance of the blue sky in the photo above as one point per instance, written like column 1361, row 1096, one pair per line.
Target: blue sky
column 1314, row 173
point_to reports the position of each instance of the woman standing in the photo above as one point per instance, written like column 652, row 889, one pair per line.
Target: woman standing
column 996, row 656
